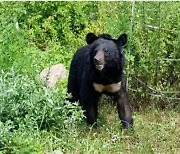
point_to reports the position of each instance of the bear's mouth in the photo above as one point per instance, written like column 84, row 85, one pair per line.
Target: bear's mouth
column 99, row 67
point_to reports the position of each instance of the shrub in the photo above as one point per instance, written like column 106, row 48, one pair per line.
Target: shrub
column 26, row 104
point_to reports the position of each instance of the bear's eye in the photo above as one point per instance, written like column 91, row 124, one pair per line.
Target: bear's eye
column 105, row 50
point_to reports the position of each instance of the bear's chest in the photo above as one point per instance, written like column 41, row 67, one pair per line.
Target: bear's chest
column 112, row 88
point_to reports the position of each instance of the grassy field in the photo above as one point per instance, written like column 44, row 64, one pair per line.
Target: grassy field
column 155, row 131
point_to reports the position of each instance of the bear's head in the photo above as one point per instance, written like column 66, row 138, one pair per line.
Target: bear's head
column 106, row 53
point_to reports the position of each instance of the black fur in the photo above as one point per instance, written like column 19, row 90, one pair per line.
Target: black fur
column 83, row 74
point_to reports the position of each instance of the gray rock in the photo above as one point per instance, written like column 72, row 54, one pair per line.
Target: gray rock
column 50, row 75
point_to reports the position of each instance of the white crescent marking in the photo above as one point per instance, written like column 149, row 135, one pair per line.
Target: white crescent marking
column 114, row 87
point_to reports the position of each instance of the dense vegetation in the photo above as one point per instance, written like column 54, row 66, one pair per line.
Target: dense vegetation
column 36, row 119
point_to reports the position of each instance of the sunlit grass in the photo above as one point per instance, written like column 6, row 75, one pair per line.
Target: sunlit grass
column 155, row 131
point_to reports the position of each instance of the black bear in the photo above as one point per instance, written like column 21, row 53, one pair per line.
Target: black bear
column 97, row 69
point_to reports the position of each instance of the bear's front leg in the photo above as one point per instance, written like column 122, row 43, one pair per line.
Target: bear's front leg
column 91, row 113
column 89, row 102
column 124, row 109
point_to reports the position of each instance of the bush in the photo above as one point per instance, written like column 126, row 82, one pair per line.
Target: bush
column 43, row 33
column 153, row 37
column 27, row 105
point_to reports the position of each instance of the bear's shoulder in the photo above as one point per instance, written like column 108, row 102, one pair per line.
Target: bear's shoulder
column 81, row 52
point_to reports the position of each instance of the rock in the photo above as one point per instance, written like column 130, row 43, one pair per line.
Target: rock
column 50, row 75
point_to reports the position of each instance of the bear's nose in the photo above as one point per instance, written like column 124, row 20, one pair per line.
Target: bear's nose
column 99, row 58
column 96, row 60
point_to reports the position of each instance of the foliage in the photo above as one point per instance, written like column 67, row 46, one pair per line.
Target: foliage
column 153, row 38
column 36, row 119
column 26, row 104
column 57, row 28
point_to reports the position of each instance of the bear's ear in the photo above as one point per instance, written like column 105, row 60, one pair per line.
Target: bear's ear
column 90, row 38
column 122, row 39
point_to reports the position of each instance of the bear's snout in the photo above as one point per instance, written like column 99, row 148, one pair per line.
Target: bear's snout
column 99, row 60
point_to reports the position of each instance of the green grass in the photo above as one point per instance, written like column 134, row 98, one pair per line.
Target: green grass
column 155, row 131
